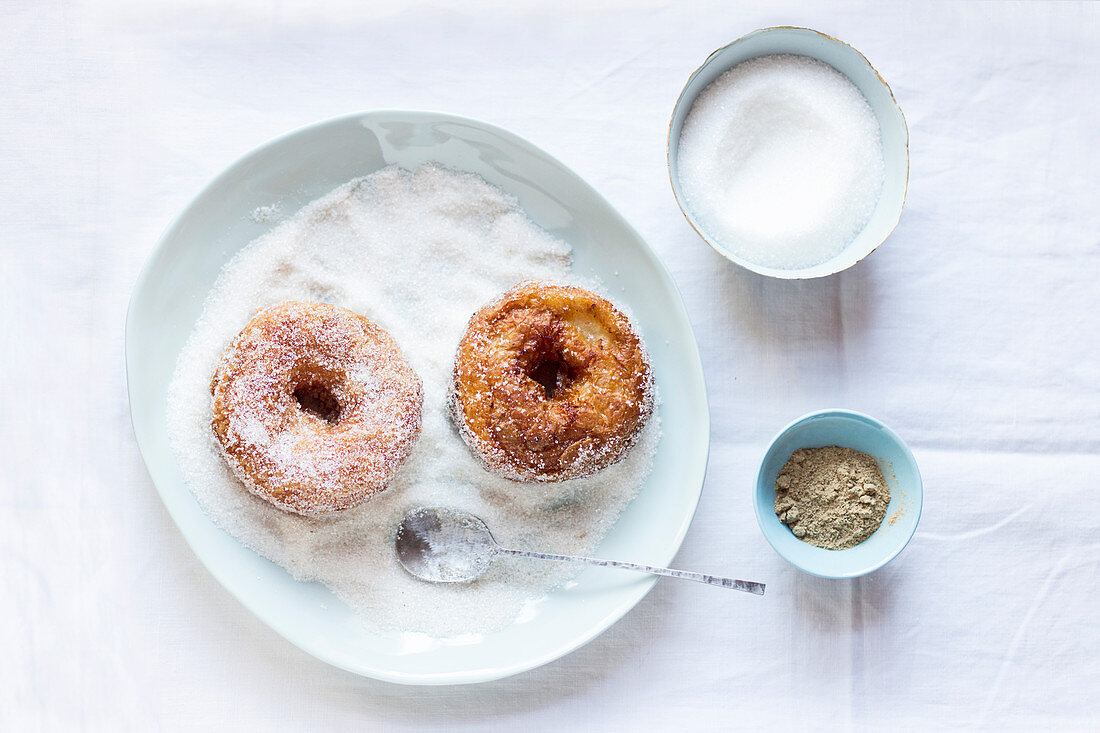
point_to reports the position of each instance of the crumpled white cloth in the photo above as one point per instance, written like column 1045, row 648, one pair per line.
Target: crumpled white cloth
column 973, row 331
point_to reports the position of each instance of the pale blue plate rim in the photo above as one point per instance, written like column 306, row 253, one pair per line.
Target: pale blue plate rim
column 631, row 596
column 766, row 514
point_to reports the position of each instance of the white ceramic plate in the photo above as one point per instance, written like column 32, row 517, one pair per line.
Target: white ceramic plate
column 298, row 168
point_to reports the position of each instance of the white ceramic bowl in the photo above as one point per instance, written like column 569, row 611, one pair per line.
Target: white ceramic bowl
column 851, row 63
column 292, row 171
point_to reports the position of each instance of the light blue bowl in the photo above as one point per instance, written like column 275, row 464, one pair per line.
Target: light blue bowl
column 851, row 63
column 846, row 429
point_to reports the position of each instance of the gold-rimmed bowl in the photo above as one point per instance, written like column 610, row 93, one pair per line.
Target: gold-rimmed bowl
column 851, row 63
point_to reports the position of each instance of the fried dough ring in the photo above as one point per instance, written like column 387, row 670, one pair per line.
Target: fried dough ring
column 551, row 382
column 315, row 407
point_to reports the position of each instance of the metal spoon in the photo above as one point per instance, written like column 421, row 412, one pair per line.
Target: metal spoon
column 449, row 546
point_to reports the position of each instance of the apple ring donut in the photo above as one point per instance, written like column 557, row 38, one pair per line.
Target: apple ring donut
column 551, row 382
column 315, row 407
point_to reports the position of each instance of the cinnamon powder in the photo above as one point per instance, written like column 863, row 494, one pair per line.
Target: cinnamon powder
column 831, row 497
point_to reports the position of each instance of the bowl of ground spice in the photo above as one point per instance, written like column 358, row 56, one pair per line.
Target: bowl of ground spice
column 838, row 494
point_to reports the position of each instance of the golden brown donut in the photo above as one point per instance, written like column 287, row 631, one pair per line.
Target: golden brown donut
column 551, row 382
column 315, row 407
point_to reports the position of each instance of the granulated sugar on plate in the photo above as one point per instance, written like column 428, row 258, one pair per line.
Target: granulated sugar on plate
column 780, row 161
column 416, row 252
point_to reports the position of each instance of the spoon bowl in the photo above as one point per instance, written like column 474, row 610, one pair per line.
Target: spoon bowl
column 444, row 546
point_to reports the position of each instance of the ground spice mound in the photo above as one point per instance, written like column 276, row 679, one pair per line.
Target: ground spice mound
column 831, row 497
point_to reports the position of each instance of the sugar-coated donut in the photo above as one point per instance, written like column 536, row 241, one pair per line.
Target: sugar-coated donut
column 315, row 407
column 551, row 382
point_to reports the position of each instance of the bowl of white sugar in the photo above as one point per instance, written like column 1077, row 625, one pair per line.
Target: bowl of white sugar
column 788, row 153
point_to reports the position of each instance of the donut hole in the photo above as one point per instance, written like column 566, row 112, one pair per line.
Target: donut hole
column 318, row 400
column 552, row 374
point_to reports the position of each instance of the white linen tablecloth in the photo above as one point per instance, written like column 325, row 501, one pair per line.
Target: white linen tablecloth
column 974, row 332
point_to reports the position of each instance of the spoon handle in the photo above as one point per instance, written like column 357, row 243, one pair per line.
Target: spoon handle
column 742, row 585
